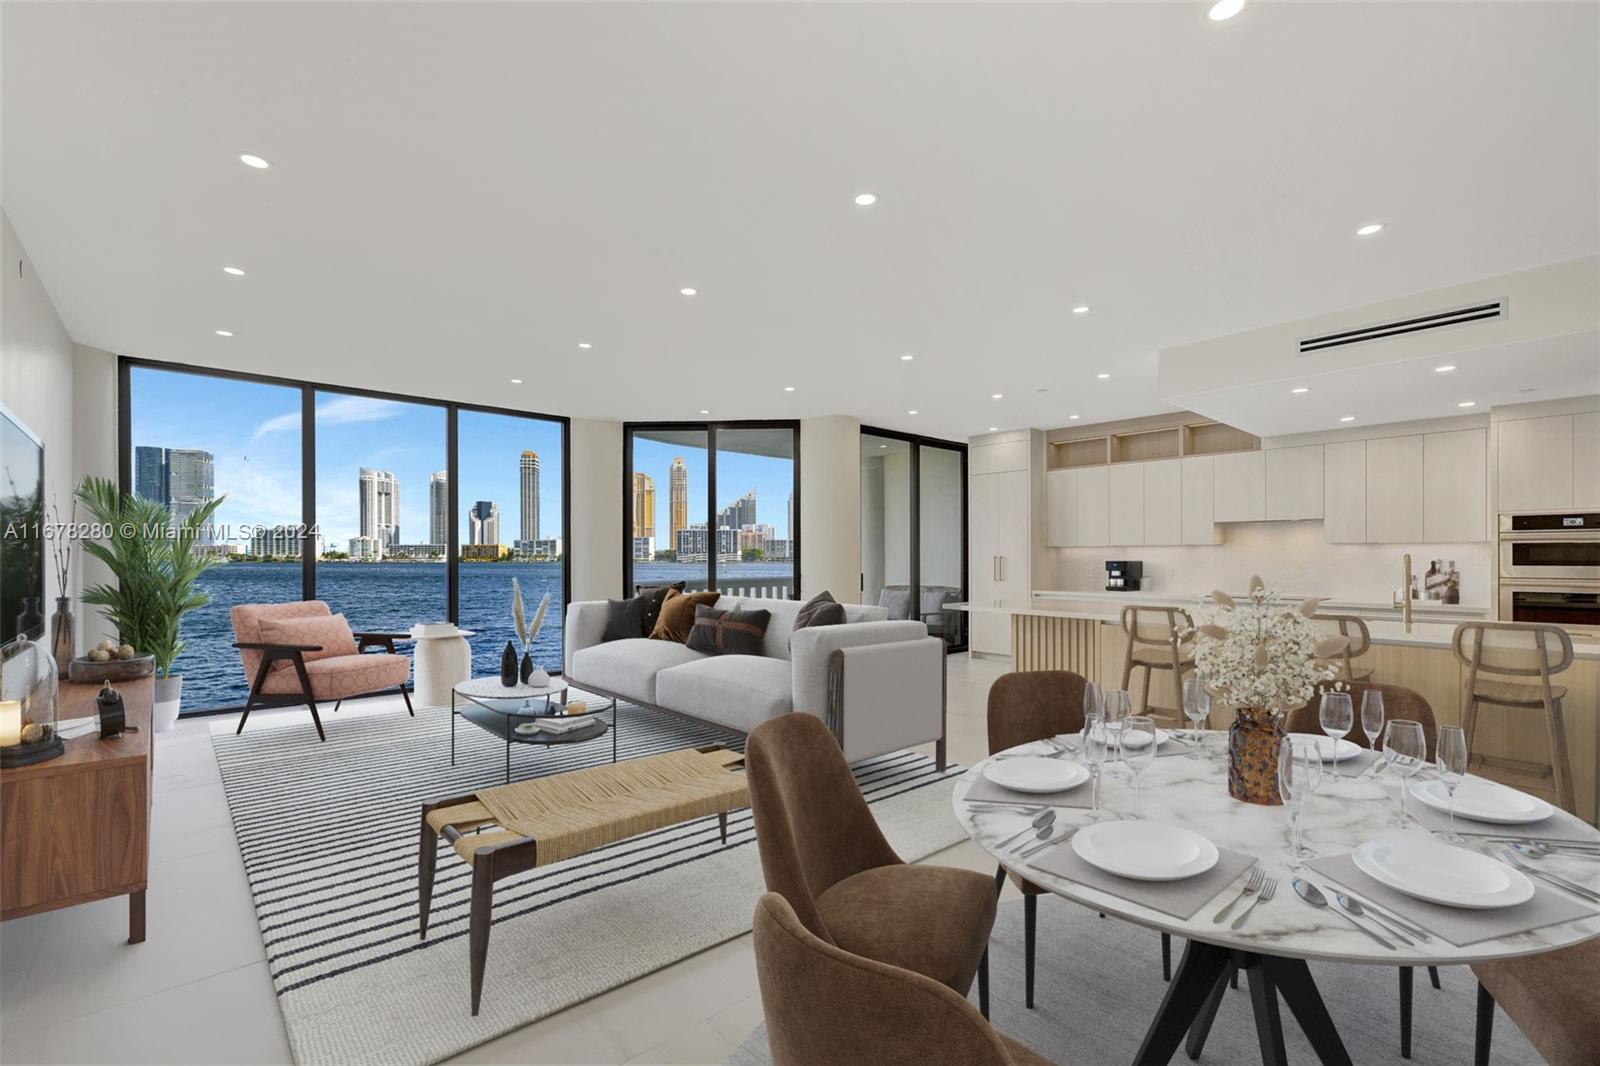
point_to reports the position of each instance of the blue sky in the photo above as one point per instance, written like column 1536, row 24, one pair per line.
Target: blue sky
column 252, row 430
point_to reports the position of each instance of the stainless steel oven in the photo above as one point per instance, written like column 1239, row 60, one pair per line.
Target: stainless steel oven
column 1550, row 547
column 1576, row 608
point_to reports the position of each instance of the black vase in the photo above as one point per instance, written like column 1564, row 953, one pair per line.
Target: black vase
column 527, row 667
column 508, row 666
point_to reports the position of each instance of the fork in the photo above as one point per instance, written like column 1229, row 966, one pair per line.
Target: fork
column 1267, row 891
column 1573, row 887
column 1253, row 884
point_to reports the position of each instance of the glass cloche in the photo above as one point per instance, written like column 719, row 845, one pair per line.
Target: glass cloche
column 28, row 714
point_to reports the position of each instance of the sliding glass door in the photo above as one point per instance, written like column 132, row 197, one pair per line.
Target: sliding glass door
column 913, row 529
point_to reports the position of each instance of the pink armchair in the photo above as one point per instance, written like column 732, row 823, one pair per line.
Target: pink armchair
column 299, row 653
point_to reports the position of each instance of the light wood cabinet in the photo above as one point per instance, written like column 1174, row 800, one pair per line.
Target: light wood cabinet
column 1294, row 483
column 1163, row 502
column 1061, row 508
column 1127, row 504
column 998, row 456
column 1394, row 490
column 1094, row 507
column 1455, row 486
column 1239, row 489
column 1586, row 460
column 1198, row 489
column 1344, row 492
column 998, row 523
column 1534, row 463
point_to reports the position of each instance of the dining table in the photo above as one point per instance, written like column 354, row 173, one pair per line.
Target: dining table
column 1282, row 931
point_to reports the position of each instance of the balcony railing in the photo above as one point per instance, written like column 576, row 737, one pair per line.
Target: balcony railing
column 768, row 588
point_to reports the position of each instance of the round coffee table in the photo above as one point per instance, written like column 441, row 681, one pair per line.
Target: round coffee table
column 500, row 710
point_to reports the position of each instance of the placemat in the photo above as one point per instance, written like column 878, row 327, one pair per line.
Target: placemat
column 1181, row 899
column 1560, row 826
column 984, row 789
column 1354, row 766
column 1458, row 925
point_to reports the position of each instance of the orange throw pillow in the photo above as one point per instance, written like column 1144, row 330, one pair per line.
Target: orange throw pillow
column 331, row 632
column 677, row 614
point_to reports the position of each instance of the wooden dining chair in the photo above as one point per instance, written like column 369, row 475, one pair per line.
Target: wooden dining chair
column 824, row 1004
column 1511, row 664
column 1358, row 640
column 1159, row 638
column 1554, row 998
column 821, row 849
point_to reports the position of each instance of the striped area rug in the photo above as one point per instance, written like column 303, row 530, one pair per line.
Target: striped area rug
column 328, row 834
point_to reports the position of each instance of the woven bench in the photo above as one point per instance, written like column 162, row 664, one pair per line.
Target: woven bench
column 509, row 829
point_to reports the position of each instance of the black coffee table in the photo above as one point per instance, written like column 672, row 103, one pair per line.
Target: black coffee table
column 493, row 707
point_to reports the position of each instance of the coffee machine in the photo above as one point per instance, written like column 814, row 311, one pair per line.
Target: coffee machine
column 1124, row 576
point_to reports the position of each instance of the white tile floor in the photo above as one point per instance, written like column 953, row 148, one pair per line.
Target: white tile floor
column 197, row 991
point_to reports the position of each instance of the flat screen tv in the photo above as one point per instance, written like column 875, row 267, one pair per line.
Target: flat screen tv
column 21, row 530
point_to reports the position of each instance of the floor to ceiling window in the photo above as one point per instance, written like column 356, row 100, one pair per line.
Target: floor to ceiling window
column 714, row 505
column 354, row 508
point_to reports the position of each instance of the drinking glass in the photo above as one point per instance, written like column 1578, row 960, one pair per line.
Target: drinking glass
column 1337, row 715
column 1407, row 752
column 1196, row 708
column 1137, row 741
column 1451, row 758
column 1372, row 716
column 1115, row 706
column 1299, row 774
column 1096, row 741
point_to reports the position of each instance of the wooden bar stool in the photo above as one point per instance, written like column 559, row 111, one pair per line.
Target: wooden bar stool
column 1158, row 639
column 1493, row 652
column 1355, row 631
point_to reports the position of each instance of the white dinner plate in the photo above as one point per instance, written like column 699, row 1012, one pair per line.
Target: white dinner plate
column 1326, row 748
column 1141, row 739
column 1144, row 851
column 1439, row 873
column 1484, row 801
column 1029, row 774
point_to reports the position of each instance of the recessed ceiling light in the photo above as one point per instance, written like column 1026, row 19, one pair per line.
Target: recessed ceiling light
column 1467, row 403
column 907, row 358
column 516, row 381
column 1073, row 418
column 1348, row 418
column 1081, row 309
column 912, row 411
column 996, row 396
column 224, row 332
column 704, row 411
column 1298, row 389
column 994, row 429
column 585, row 344
column 1223, row 10
column 1102, row 377
column 883, row 445
column 254, row 161
column 688, row 292
column 1369, row 229
column 1444, row 369
column 235, row 271
column 788, row 388
column 865, row 199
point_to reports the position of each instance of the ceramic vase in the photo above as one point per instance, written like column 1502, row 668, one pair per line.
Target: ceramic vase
column 508, row 666
column 1253, row 741
column 527, row 667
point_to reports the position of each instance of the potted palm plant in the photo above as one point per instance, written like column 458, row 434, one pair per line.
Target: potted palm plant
column 156, row 563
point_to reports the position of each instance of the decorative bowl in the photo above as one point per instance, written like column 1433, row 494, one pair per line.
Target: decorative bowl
column 81, row 669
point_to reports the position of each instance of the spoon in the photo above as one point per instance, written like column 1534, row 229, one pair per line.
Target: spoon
column 1356, row 910
column 1539, row 851
column 1040, row 820
column 1045, row 833
column 1312, row 895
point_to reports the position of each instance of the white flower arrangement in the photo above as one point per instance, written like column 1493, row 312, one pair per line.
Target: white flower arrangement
column 1263, row 653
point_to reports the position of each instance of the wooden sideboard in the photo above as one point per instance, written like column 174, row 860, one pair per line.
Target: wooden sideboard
column 77, row 828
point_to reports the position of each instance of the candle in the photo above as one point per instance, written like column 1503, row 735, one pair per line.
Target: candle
column 10, row 723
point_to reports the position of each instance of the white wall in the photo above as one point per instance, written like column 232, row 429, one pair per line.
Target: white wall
column 830, row 507
column 94, row 454
column 595, row 555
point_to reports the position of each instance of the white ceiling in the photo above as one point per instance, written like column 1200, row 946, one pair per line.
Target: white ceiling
column 461, row 193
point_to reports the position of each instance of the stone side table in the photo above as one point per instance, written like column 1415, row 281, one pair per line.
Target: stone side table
column 442, row 659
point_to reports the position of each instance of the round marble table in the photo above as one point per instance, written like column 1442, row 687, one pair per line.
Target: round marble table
column 1281, row 933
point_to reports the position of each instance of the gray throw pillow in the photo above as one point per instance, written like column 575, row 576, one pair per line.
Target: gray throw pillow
column 625, row 618
column 821, row 610
column 896, row 601
column 728, row 632
column 654, row 596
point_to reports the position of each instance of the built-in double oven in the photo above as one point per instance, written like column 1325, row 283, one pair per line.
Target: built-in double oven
column 1550, row 569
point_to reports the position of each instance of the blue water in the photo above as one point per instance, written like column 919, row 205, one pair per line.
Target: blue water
column 394, row 597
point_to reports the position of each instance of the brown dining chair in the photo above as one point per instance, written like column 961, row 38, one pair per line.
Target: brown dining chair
column 821, row 850
column 1159, row 638
column 1358, row 641
column 1554, row 998
column 827, row 1005
column 1510, row 664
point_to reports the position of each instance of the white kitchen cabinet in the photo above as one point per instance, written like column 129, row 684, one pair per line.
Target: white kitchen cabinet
column 1198, row 490
column 1163, row 501
column 1586, row 460
column 1239, row 488
column 1455, row 486
column 1294, row 483
column 1127, row 504
column 1094, row 507
column 998, row 524
column 1394, row 490
column 998, row 456
column 1534, row 462
column 1061, row 508
column 1344, row 492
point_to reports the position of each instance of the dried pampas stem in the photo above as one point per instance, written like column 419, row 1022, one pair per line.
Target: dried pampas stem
column 1215, row 632
column 1222, row 598
column 1309, row 607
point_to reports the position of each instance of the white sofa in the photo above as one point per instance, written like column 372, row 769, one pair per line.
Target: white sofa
column 879, row 685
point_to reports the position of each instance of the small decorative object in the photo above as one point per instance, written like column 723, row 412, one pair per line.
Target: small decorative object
column 63, row 627
column 110, row 661
column 508, row 666
column 531, row 675
column 28, row 681
column 576, row 707
column 1265, row 658
column 109, row 704
column 30, row 619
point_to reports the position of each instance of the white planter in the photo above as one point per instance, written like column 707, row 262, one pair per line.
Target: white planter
column 168, row 697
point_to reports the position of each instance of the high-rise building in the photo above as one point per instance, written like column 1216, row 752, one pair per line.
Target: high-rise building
column 678, row 500
column 739, row 513
column 483, row 523
column 190, row 474
column 380, row 506
column 644, row 506
column 283, row 542
column 789, row 529
column 439, row 508
column 530, row 496
column 150, row 473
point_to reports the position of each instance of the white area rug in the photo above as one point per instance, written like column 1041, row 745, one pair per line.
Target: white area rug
column 328, row 833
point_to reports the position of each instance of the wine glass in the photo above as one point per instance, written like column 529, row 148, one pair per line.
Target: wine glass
column 1451, row 758
column 1137, row 742
column 1299, row 774
column 1115, row 707
column 1337, row 715
column 1096, row 741
column 1372, row 716
column 1407, row 750
column 1196, row 708
column 1091, row 700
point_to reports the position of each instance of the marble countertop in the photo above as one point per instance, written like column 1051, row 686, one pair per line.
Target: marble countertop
column 1364, row 608
column 1342, row 814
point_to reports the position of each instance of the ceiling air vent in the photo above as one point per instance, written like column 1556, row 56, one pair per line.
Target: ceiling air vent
column 1460, row 316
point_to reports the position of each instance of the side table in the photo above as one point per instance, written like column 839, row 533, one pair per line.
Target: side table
column 441, row 660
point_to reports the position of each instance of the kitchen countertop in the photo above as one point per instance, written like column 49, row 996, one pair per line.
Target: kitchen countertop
column 1366, row 609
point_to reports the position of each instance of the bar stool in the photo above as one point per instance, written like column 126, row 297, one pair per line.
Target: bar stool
column 1494, row 651
column 1159, row 638
column 1355, row 631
